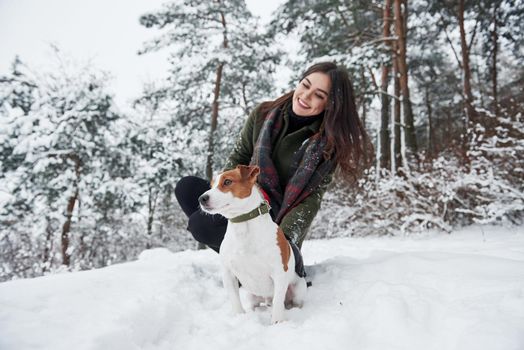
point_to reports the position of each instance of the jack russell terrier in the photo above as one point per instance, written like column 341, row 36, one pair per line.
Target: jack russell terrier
column 254, row 250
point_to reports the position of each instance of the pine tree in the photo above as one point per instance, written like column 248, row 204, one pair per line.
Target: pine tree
column 61, row 144
column 385, row 108
column 501, row 30
column 221, row 66
column 349, row 32
column 162, row 153
column 16, row 97
column 400, row 11
column 435, row 79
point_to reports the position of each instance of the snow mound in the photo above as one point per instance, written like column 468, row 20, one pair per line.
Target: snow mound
column 458, row 291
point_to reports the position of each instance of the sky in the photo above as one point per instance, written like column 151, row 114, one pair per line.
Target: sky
column 105, row 32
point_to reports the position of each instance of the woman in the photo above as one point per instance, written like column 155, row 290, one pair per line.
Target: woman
column 298, row 141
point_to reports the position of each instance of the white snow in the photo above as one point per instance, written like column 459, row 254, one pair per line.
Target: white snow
column 432, row 291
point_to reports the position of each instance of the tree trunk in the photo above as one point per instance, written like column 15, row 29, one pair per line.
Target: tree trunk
column 214, row 112
column 247, row 111
column 471, row 113
column 466, row 70
column 431, row 146
column 400, row 30
column 152, row 201
column 66, row 228
column 364, row 112
column 397, row 132
column 214, row 123
column 48, row 246
column 494, row 73
column 385, row 142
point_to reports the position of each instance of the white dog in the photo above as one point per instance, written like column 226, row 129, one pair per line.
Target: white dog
column 254, row 250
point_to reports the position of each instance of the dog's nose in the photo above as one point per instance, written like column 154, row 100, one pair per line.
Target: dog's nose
column 203, row 199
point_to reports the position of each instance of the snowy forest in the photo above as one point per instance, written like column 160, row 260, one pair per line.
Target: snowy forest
column 439, row 87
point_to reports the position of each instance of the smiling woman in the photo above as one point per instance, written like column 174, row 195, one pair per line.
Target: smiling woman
column 297, row 141
column 325, row 91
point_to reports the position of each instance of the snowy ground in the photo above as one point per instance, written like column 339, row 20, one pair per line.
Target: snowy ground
column 435, row 291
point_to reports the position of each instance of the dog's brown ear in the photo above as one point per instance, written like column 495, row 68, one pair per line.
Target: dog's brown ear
column 255, row 171
column 249, row 172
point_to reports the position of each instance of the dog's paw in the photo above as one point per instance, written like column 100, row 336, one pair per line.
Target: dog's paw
column 277, row 319
column 273, row 322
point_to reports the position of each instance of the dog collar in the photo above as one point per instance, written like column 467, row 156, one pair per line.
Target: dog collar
column 262, row 209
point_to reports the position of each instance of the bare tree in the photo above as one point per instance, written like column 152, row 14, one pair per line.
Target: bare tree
column 400, row 10
column 385, row 153
column 215, row 105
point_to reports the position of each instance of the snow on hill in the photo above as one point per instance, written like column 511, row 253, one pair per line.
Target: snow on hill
column 434, row 291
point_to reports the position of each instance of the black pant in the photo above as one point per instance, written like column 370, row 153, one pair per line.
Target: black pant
column 205, row 228
column 210, row 229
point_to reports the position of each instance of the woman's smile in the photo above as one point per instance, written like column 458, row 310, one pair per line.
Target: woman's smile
column 303, row 104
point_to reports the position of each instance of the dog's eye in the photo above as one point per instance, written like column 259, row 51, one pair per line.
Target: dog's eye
column 227, row 182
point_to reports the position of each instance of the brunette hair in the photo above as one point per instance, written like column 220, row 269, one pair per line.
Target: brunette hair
column 347, row 140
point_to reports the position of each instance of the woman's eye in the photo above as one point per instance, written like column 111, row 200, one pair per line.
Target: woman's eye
column 305, row 85
column 227, row 182
column 320, row 96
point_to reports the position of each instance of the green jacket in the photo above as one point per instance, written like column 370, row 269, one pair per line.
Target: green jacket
column 297, row 222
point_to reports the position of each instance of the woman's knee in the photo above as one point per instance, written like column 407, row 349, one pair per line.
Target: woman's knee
column 188, row 184
column 187, row 191
column 207, row 229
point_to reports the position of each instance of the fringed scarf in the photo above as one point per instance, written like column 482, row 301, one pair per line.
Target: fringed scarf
column 308, row 167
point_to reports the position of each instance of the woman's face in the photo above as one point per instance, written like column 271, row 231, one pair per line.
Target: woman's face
column 311, row 94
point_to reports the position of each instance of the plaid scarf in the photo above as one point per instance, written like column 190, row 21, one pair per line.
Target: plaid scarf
column 308, row 166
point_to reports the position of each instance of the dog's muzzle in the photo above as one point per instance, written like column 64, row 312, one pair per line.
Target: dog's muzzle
column 204, row 200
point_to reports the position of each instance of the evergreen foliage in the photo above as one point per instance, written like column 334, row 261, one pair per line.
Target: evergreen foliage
column 58, row 150
column 214, row 45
